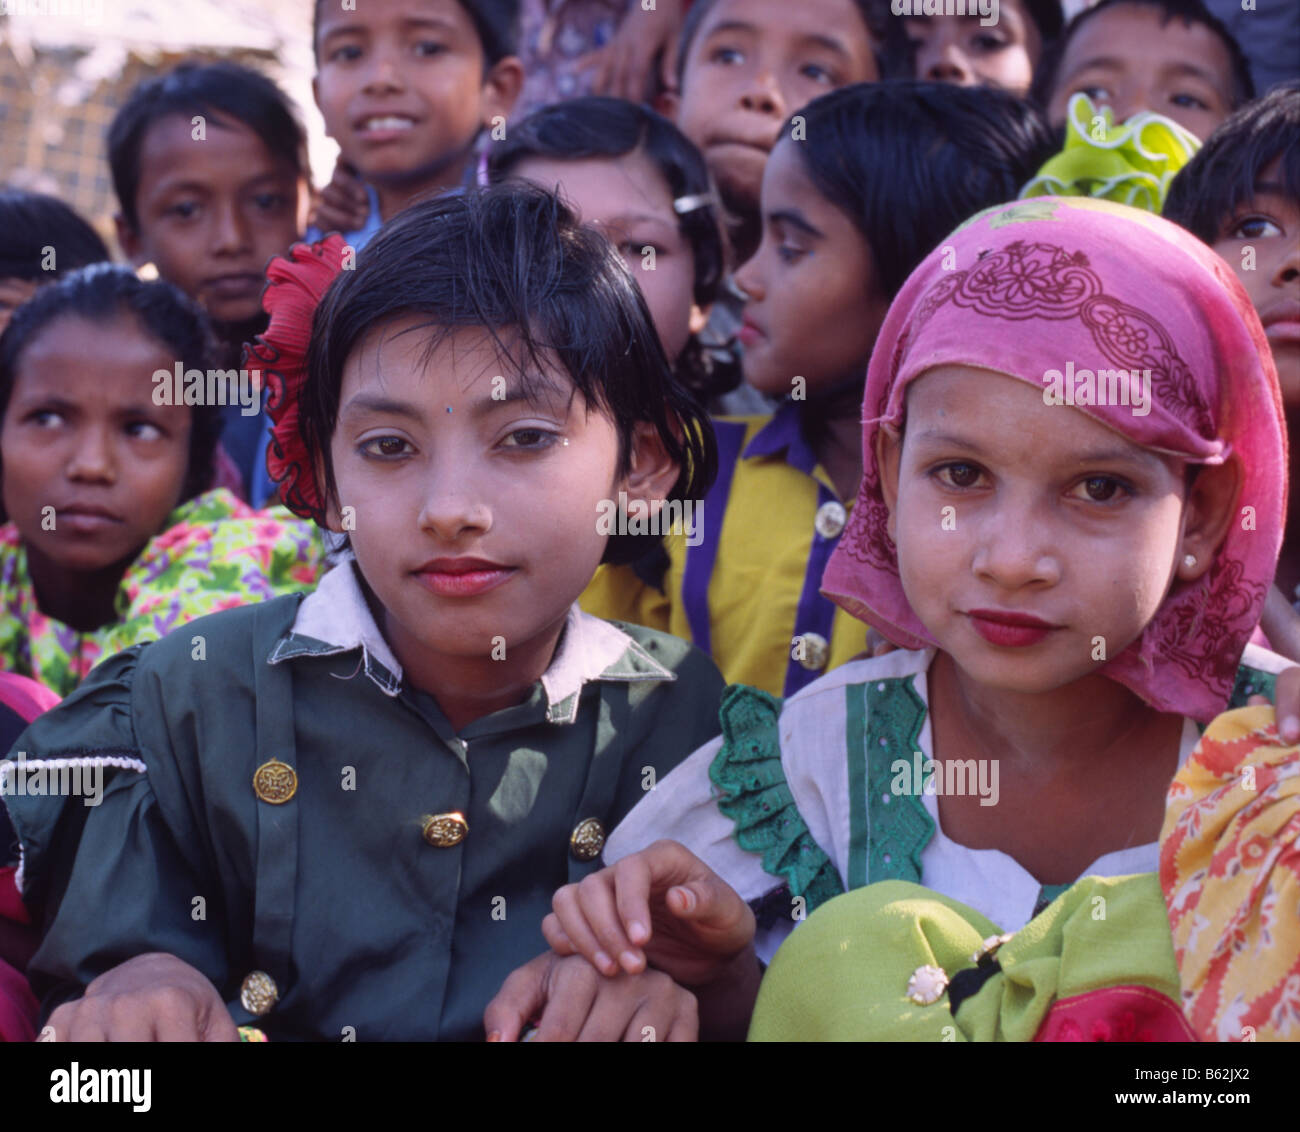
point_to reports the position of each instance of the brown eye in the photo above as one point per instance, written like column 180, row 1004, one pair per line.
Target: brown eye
column 1100, row 488
column 962, row 475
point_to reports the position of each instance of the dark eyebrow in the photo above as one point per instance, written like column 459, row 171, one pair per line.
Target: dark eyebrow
column 516, row 392
column 1196, row 72
column 1270, row 188
column 731, row 25
column 1095, row 456
column 371, row 403
column 795, row 219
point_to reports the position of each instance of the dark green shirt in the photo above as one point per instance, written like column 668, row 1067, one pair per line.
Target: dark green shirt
column 367, row 929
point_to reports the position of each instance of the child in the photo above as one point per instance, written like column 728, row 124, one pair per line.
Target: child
column 113, row 537
column 838, row 242
column 632, row 174
column 1032, row 737
column 376, row 789
column 745, row 66
column 1168, row 56
column 967, row 51
column 406, row 87
column 210, row 168
column 41, row 238
column 1241, row 195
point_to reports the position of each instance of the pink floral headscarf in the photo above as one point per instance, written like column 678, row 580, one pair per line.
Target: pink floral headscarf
column 1020, row 289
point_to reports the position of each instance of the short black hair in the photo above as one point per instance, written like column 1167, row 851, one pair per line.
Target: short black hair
column 514, row 260
column 1190, row 12
column 594, row 126
column 496, row 21
column 104, row 293
column 1225, row 171
column 223, row 89
column 908, row 160
column 874, row 15
column 30, row 223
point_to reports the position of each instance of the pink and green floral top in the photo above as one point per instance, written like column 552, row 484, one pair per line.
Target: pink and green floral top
column 214, row 553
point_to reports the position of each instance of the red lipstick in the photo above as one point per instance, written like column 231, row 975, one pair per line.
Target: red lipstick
column 462, row 577
column 1008, row 629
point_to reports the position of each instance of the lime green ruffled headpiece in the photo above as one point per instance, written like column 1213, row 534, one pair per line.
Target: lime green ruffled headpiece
column 1131, row 163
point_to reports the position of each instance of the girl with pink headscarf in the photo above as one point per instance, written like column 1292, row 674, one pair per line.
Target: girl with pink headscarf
column 1071, row 509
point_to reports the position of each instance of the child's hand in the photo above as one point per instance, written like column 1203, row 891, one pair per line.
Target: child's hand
column 577, row 1003
column 662, row 905
column 1286, row 704
column 625, row 67
column 343, row 205
column 151, row 998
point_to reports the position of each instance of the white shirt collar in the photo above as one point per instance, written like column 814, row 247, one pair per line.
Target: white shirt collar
column 336, row 618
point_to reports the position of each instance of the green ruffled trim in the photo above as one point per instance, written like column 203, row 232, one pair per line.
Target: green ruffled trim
column 900, row 828
column 1131, row 163
column 757, row 798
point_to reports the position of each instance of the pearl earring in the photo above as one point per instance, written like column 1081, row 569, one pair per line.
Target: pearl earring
column 1189, row 560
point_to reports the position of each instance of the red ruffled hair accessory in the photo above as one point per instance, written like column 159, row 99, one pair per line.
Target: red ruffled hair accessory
column 294, row 288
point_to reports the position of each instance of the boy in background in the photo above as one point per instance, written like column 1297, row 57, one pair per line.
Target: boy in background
column 406, row 87
column 209, row 164
column 1168, row 56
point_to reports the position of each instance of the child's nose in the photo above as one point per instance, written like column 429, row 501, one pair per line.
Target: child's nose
column 748, row 279
column 1014, row 553
column 231, row 235
column 93, row 458
column 762, row 94
column 384, row 75
column 946, row 63
column 1287, row 272
column 451, row 510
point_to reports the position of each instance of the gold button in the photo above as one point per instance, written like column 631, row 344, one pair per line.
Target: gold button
column 442, row 831
column 812, row 651
column 588, row 839
column 275, row 782
column 258, row 993
column 830, row 519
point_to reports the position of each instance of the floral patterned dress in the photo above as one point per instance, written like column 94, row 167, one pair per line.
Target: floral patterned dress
column 214, row 553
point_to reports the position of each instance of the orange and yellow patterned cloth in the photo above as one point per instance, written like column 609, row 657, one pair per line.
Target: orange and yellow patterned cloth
column 1230, row 872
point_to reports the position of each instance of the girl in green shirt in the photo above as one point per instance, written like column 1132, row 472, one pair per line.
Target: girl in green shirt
column 342, row 816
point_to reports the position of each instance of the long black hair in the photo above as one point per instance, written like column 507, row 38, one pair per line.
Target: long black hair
column 513, row 260
column 105, row 293
column 907, row 161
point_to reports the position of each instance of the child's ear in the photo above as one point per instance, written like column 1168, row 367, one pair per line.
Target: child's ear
column 699, row 317
column 1210, row 510
column 501, row 87
column 667, row 103
column 128, row 239
column 653, row 472
column 889, row 455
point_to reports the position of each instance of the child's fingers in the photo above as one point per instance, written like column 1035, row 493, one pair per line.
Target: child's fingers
column 665, row 1010
column 634, row 878
column 1286, row 702
column 587, row 915
column 604, row 912
column 521, row 996
column 572, row 992
column 554, row 935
